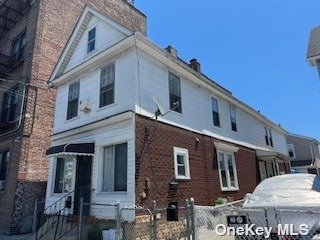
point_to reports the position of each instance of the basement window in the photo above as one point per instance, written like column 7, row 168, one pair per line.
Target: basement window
column 91, row 40
column 181, row 163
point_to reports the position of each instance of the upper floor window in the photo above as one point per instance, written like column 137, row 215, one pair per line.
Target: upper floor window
column 215, row 112
column 91, row 40
column 291, row 151
column 268, row 136
column 181, row 163
column 73, row 100
column 233, row 118
column 175, row 93
column 18, row 46
column 107, row 80
column 115, row 162
column 64, row 175
column 9, row 106
column 227, row 171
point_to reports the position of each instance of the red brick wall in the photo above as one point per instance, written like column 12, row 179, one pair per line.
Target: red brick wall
column 157, row 165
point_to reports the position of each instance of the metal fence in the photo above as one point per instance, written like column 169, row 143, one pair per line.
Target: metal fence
column 233, row 222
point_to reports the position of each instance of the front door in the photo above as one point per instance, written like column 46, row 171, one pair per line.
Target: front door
column 83, row 184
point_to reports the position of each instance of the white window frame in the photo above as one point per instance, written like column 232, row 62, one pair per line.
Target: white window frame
column 226, row 149
column 268, row 134
column 185, row 153
column 219, row 116
column 290, row 145
column 92, row 40
column 73, row 158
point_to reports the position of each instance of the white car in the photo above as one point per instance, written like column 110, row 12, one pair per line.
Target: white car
column 286, row 204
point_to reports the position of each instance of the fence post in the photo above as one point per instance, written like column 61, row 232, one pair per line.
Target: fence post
column 80, row 219
column 35, row 217
column 154, row 222
column 188, row 232
column 193, row 225
column 118, row 236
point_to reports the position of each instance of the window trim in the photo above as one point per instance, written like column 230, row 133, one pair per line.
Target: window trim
column 231, row 106
column 176, row 75
column 114, row 86
column 100, row 182
column 268, row 136
column 293, row 150
column 79, row 82
column 181, row 151
column 211, row 108
column 94, row 39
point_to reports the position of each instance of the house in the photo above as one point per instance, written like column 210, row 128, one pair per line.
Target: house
column 32, row 37
column 115, row 136
column 304, row 153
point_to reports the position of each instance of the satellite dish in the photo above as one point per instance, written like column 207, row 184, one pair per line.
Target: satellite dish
column 160, row 108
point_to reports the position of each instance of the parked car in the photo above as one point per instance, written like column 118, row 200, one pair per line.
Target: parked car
column 287, row 200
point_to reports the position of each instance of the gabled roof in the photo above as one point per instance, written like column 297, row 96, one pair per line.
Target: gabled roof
column 314, row 46
column 76, row 35
column 304, row 137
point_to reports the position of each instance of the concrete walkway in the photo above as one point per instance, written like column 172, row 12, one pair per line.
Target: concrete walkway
column 16, row 237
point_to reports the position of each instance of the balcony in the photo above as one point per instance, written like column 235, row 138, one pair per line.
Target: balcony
column 10, row 13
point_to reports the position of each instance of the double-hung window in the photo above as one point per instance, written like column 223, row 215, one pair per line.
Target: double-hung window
column 175, row 93
column 115, row 162
column 73, row 100
column 4, row 160
column 91, row 40
column 233, row 118
column 227, row 171
column 18, row 46
column 107, row 80
column 215, row 112
column 268, row 136
column 291, row 151
column 181, row 163
column 64, row 175
column 9, row 106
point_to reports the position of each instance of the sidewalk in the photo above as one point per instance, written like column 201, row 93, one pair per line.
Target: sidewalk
column 16, row 237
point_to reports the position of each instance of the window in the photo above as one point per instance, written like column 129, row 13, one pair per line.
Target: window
column 91, row 40
column 268, row 136
column 115, row 161
column 9, row 106
column 181, row 163
column 73, row 100
column 233, row 118
column 4, row 160
column 175, row 93
column 227, row 171
column 18, row 46
column 215, row 112
column 291, row 151
column 64, row 175
column 107, row 80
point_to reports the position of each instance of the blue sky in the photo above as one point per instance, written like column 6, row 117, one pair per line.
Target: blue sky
column 254, row 48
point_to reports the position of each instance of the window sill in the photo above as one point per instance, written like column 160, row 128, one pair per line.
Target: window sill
column 90, row 54
column 179, row 178
column 216, row 127
column 177, row 113
column 102, row 194
column 229, row 189
column 106, row 107
column 72, row 119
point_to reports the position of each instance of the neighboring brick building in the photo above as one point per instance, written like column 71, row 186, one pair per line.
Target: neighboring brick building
column 134, row 123
column 32, row 37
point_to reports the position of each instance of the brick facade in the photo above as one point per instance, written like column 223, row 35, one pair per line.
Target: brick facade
column 155, row 166
column 49, row 25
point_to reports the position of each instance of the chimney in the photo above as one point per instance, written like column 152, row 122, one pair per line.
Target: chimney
column 172, row 51
column 195, row 65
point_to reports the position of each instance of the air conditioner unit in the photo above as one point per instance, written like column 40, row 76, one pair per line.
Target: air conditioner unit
column 2, row 184
column 85, row 105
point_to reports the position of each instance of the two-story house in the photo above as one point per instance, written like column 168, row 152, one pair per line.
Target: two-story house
column 304, row 153
column 33, row 34
column 109, row 138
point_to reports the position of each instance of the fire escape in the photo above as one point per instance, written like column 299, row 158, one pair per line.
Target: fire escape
column 10, row 13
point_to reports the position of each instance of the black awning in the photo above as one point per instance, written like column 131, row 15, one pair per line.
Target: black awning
column 75, row 148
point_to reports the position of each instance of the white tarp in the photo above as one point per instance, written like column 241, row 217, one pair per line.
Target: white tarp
column 291, row 190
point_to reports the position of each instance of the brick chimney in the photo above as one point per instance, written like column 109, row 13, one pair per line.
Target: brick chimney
column 172, row 51
column 195, row 65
